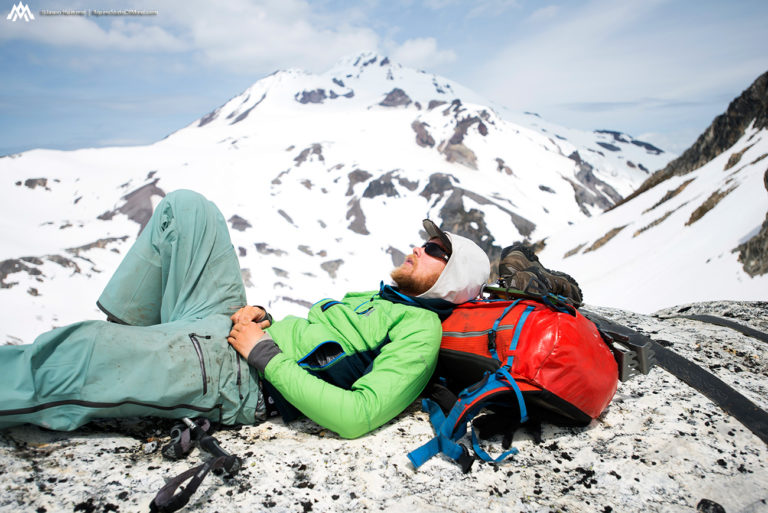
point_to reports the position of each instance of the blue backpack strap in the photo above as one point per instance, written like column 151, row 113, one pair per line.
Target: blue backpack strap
column 495, row 327
column 485, row 456
column 450, row 428
column 558, row 303
column 444, row 440
column 516, row 336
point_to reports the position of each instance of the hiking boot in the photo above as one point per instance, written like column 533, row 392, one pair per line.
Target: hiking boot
column 519, row 268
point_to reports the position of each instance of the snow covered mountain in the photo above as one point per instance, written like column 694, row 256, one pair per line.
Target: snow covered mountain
column 696, row 230
column 324, row 180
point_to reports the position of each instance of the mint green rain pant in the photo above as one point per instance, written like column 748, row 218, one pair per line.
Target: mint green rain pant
column 165, row 353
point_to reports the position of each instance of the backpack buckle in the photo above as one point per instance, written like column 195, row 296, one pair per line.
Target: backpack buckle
column 492, row 342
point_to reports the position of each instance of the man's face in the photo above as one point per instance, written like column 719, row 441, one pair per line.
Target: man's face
column 419, row 271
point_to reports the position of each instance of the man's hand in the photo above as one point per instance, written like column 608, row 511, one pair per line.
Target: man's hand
column 248, row 314
column 244, row 335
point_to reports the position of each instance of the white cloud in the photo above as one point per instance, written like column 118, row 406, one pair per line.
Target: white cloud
column 242, row 36
column 618, row 52
column 436, row 5
column 474, row 9
column 421, row 53
column 237, row 35
column 490, row 7
column 247, row 36
column 84, row 32
column 640, row 67
column 545, row 13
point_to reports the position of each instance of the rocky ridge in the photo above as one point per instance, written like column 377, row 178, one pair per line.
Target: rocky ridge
column 748, row 109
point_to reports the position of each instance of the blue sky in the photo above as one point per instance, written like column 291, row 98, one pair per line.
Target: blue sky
column 660, row 70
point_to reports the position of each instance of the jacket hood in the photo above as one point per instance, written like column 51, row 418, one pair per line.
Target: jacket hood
column 464, row 275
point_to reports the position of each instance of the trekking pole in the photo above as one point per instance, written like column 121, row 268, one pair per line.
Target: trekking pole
column 167, row 500
column 211, row 445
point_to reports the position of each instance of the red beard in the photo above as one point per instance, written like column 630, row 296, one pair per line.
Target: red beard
column 409, row 281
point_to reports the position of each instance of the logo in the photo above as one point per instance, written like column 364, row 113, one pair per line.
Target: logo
column 20, row 11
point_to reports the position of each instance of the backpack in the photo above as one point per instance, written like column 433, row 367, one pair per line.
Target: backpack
column 534, row 358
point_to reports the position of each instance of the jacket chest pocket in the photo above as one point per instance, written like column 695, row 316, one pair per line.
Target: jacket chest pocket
column 329, row 362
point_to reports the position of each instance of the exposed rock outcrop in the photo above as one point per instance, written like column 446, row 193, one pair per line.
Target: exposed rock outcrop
column 209, row 117
column 31, row 264
column 468, row 223
column 238, row 223
column 332, row 266
column 459, row 154
column 608, row 146
column 355, row 212
column 502, row 167
column 397, row 256
column 355, row 177
column 264, row 249
column 671, row 194
column 753, row 254
column 396, row 98
column 35, row 182
column 245, row 113
column 590, row 190
column 708, row 204
column 314, row 96
column 423, row 138
column 382, row 186
column 137, row 205
column 435, row 103
column 602, row 241
column 316, row 149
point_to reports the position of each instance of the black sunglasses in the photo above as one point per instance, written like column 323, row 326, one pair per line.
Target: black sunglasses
column 435, row 250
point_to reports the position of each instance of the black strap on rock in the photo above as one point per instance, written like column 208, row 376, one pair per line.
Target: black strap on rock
column 727, row 323
column 184, row 437
column 167, row 500
column 723, row 395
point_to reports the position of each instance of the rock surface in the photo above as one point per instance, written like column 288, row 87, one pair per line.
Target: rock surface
column 660, row 446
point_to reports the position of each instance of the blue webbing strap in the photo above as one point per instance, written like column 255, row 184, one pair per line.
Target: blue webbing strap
column 444, row 441
column 503, row 373
column 445, row 437
column 492, row 333
column 513, row 385
column 485, row 456
column 508, row 367
column 516, row 336
column 558, row 303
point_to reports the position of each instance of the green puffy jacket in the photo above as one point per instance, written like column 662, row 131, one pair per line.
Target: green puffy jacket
column 351, row 365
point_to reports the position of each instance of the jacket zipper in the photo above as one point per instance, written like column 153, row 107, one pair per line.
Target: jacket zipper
column 199, row 351
column 239, row 379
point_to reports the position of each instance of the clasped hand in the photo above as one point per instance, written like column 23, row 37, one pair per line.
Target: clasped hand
column 248, row 328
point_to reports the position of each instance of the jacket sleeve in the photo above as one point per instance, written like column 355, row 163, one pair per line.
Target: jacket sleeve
column 398, row 375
